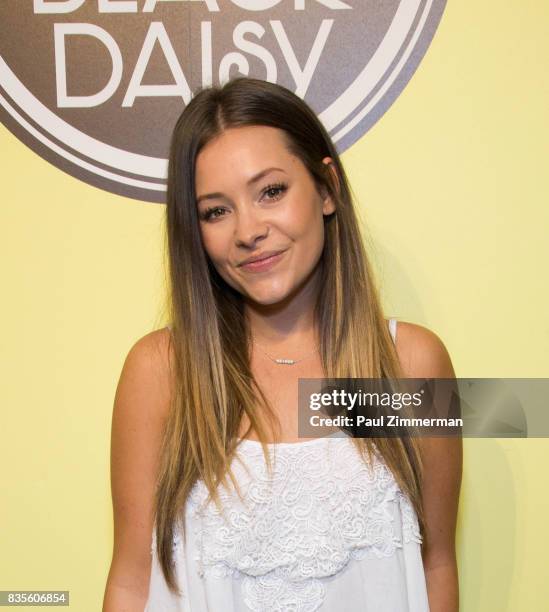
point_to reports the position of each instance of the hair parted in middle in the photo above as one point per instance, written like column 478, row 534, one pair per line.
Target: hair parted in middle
column 213, row 383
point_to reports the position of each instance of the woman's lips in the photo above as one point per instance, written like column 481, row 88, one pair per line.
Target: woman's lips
column 263, row 264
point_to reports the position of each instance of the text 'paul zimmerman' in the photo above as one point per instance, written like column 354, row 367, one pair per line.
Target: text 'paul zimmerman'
column 395, row 401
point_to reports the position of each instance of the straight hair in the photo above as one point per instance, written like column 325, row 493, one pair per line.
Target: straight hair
column 213, row 383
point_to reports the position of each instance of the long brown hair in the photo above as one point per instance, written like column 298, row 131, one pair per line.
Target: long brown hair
column 214, row 386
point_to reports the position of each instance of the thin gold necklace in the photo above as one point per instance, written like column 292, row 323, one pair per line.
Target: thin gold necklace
column 283, row 361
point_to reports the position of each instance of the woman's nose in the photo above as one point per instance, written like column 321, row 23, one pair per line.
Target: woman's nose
column 250, row 227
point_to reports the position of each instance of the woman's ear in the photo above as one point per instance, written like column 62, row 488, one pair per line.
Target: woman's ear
column 329, row 205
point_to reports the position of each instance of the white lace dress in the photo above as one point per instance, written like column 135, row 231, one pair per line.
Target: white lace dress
column 328, row 532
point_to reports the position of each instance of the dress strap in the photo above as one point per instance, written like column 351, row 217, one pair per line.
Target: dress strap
column 393, row 328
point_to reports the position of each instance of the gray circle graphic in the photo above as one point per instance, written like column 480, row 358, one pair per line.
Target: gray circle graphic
column 95, row 86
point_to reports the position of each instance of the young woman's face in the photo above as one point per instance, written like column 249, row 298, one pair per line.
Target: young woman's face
column 255, row 198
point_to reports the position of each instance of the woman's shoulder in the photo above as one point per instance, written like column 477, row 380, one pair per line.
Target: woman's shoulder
column 422, row 352
column 155, row 346
column 152, row 357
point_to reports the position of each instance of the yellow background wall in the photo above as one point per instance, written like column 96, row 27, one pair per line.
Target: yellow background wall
column 453, row 185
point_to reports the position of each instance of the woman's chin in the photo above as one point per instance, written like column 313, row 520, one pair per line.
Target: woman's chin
column 266, row 290
column 267, row 299
column 267, row 296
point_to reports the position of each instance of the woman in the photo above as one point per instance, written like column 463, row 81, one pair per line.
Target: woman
column 270, row 283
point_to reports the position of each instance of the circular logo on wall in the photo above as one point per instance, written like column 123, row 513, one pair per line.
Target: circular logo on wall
column 96, row 86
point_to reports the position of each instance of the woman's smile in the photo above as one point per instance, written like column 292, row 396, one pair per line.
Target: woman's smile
column 264, row 264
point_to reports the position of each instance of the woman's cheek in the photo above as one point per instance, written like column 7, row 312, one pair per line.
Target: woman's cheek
column 212, row 244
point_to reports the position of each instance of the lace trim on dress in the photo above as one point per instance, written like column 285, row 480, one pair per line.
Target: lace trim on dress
column 323, row 507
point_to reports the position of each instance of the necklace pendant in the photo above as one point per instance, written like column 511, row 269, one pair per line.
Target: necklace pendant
column 285, row 361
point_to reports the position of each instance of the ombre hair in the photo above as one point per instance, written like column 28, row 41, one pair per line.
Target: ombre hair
column 214, row 387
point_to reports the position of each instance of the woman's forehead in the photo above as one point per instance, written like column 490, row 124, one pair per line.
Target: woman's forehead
column 241, row 140
column 243, row 152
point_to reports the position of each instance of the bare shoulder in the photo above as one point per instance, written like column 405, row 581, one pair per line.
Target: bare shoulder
column 422, row 353
column 152, row 356
column 155, row 345
column 145, row 379
column 141, row 405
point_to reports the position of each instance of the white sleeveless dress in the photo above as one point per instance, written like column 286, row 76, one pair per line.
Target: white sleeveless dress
column 328, row 532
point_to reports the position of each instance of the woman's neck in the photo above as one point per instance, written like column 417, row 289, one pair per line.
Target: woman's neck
column 289, row 323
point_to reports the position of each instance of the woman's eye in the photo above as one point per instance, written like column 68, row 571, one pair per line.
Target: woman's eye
column 211, row 213
column 275, row 192
column 271, row 192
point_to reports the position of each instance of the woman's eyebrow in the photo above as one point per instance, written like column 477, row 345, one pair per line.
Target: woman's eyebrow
column 254, row 179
